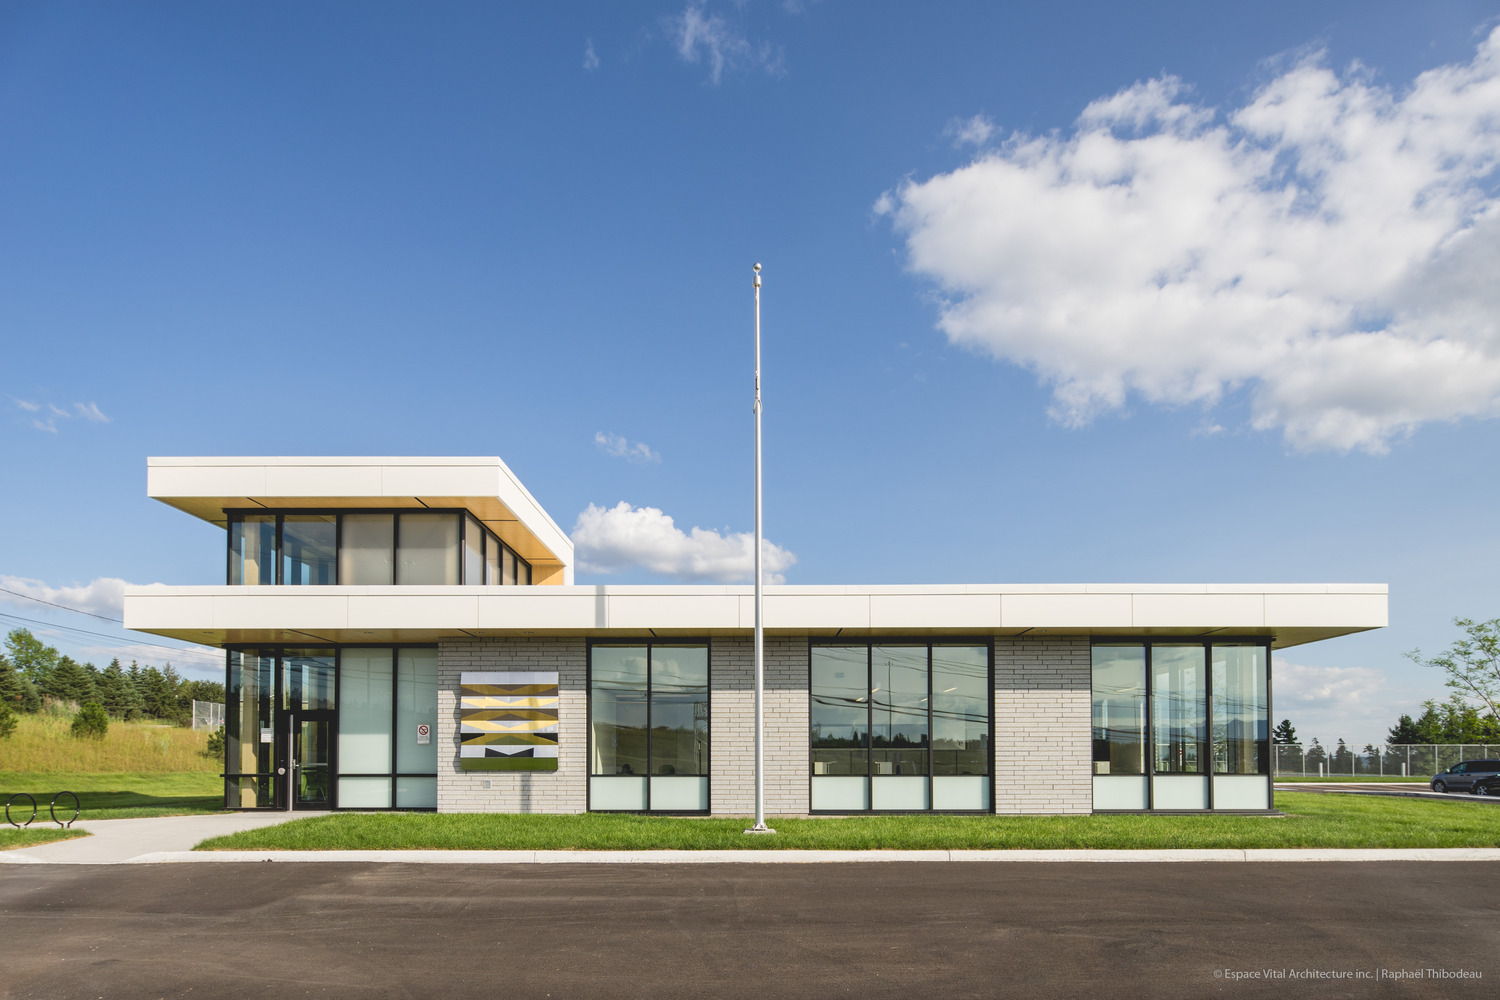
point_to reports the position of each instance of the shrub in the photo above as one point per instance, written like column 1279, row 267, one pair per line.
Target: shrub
column 215, row 748
column 91, row 722
column 7, row 720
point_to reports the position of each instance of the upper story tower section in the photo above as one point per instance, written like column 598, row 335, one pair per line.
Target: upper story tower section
column 369, row 521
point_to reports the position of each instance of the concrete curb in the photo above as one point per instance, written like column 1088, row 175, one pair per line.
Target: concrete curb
column 1469, row 854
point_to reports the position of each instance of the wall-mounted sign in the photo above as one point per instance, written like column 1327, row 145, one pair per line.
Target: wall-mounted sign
column 424, row 733
column 267, row 734
column 508, row 720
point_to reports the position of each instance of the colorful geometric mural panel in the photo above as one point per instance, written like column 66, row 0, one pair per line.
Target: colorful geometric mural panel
column 507, row 721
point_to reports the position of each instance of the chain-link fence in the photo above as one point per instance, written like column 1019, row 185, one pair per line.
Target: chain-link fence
column 207, row 715
column 1416, row 761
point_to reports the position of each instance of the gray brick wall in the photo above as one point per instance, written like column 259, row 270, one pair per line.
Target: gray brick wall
column 562, row 791
column 1043, row 715
column 732, row 727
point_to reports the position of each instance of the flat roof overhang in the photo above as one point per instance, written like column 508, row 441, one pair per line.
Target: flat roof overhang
column 1287, row 614
column 208, row 487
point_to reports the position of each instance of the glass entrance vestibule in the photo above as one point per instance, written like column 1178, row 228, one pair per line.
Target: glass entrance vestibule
column 1181, row 725
column 350, row 727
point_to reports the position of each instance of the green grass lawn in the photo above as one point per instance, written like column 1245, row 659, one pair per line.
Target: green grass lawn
column 119, row 795
column 1312, row 821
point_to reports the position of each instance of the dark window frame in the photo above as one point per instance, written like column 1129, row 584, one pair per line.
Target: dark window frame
column 649, row 642
column 929, row 642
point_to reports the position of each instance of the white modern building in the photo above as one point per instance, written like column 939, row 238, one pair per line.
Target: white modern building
column 405, row 633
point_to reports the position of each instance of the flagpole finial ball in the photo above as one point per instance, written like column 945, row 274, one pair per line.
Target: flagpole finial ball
column 757, row 268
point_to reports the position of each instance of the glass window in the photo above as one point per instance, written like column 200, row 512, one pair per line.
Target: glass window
column 898, row 697
column 416, row 703
column 1178, row 709
column 473, row 552
column 252, row 550
column 308, row 678
column 491, row 560
column 308, row 545
column 617, row 704
column 960, row 710
column 249, row 729
column 365, row 712
column 367, row 550
column 679, row 710
column 523, row 572
column 840, row 710
column 508, row 569
column 1119, row 709
column 1241, row 729
column 429, row 549
column 900, row 726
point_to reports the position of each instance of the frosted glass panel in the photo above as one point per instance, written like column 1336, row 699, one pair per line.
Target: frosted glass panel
column 416, row 703
column 1179, row 792
column 678, row 794
column 367, row 550
column 1128, row 792
column 842, row 794
column 416, row 793
column 961, row 792
column 899, row 793
column 617, row 793
column 429, row 549
column 473, row 552
column 364, row 793
column 365, row 711
column 1241, row 791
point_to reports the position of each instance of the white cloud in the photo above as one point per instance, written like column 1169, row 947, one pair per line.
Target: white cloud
column 1330, row 249
column 1356, row 704
column 618, row 447
column 590, row 59
column 713, row 41
column 974, row 131
column 617, row 539
column 102, row 596
column 53, row 413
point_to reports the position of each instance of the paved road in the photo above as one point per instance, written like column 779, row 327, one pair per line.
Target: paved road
column 662, row 931
column 1397, row 789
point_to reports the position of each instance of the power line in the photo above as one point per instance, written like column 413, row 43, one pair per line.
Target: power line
column 101, row 635
column 77, row 611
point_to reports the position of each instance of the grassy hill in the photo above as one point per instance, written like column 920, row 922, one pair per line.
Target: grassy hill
column 43, row 743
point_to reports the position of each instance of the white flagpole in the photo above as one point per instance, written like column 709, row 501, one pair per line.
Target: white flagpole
column 760, row 647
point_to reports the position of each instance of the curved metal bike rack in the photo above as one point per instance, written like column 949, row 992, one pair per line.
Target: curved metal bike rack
column 20, row 795
column 77, row 808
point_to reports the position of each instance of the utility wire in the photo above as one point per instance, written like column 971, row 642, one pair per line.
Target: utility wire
column 78, row 611
column 101, row 635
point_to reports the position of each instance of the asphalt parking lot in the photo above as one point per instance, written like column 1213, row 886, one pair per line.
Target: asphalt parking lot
column 906, row 930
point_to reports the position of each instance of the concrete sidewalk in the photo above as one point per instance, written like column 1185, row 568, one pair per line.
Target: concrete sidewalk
column 121, row 841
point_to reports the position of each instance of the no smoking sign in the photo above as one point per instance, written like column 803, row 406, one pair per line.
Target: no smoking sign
column 424, row 733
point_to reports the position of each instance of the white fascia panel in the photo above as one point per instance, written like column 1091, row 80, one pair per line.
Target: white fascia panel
column 434, row 611
column 556, row 609
column 148, row 610
column 321, row 481
column 978, row 611
column 1102, row 611
column 1323, row 610
column 166, row 481
column 261, row 607
column 441, row 481
column 1199, row 610
column 810, row 611
column 705, row 611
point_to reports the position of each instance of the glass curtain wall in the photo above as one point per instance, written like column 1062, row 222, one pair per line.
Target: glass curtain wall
column 369, row 549
column 1206, row 709
column 648, row 727
column 353, row 714
column 900, row 727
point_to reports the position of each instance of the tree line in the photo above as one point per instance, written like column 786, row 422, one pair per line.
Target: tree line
column 33, row 674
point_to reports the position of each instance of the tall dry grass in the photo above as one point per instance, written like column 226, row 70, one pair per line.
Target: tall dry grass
column 44, row 742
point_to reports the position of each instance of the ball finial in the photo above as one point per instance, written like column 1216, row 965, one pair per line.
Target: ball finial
column 757, row 268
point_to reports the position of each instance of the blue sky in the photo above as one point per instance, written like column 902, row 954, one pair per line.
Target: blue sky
column 1099, row 292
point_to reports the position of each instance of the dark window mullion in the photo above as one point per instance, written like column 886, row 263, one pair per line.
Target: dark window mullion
column 395, row 716
column 648, row 725
column 931, row 728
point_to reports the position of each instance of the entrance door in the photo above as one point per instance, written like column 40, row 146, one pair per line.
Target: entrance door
column 312, row 754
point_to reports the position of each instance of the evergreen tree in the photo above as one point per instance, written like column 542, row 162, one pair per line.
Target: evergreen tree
column 1343, row 760
column 91, row 722
column 15, row 690
column 115, row 691
column 8, row 721
column 1404, row 732
column 1316, row 755
column 70, row 682
column 1285, row 734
